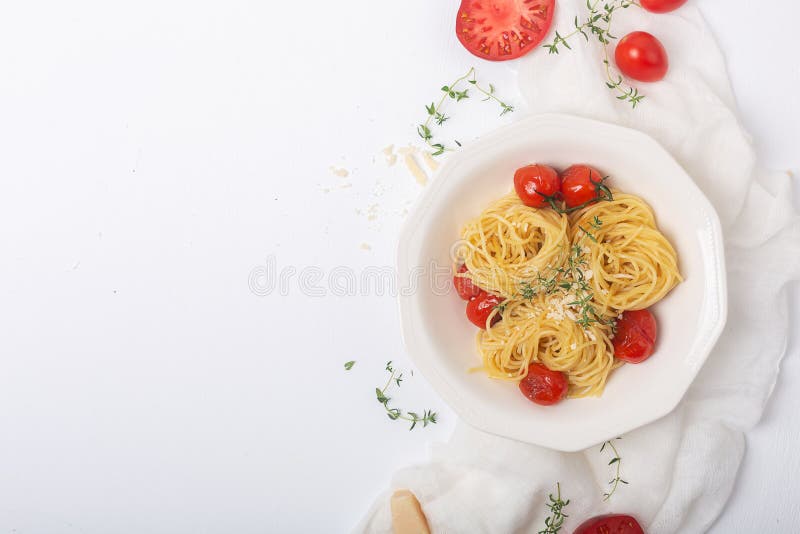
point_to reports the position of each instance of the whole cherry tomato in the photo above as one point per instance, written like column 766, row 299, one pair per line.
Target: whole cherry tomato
column 535, row 182
column 639, row 55
column 580, row 184
column 662, row 6
column 543, row 386
column 610, row 524
column 465, row 288
column 481, row 307
column 635, row 336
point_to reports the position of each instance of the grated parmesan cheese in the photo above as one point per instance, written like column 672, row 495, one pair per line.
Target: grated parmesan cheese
column 559, row 308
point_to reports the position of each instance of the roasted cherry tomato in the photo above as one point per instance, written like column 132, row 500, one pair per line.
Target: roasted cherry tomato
column 480, row 308
column 498, row 30
column 662, row 6
column 535, row 182
column 610, row 524
column 635, row 337
column 641, row 56
column 543, row 386
column 580, row 184
column 464, row 286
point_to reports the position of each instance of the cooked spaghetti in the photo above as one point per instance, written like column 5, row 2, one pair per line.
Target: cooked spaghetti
column 633, row 265
column 564, row 280
column 509, row 243
column 544, row 330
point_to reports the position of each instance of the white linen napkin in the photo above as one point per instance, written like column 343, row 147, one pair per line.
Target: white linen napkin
column 681, row 468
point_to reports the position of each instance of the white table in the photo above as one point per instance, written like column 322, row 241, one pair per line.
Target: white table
column 152, row 155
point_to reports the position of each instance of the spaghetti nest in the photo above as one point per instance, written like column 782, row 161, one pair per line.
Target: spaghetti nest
column 509, row 243
column 633, row 265
column 565, row 280
column 537, row 330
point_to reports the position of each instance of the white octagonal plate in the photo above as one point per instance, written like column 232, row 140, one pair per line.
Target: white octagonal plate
column 441, row 341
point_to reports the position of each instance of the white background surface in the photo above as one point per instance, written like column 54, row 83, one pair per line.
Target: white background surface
column 152, row 155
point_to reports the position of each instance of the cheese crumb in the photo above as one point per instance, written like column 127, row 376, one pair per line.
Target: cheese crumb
column 372, row 212
column 340, row 171
column 389, row 155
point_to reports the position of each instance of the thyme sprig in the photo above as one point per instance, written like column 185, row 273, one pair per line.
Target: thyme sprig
column 579, row 286
column 617, row 462
column 554, row 522
column 453, row 92
column 595, row 224
column 427, row 417
column 598, row 24
column 572, row 280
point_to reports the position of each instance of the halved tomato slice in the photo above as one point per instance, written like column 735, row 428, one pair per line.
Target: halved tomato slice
column 498, row 30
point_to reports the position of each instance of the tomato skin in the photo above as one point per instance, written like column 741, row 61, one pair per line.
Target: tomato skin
column 610, row 524
column 635, row 336
column 535, row 182
column 662, row 6
column 579, row 185
column 465, row 288
column 639, row 55
column 544, row 386
column 499, row 30
column 480, row 308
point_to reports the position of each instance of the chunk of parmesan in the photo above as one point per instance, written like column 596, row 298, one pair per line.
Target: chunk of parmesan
column 429, row 161
column 415, row 170
column 407, row 515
